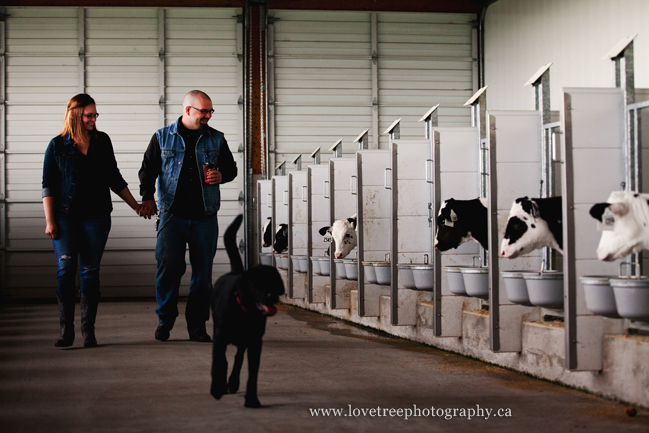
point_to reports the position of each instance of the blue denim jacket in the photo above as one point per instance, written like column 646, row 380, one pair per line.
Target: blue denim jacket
column 59, row 175
column 172, row 148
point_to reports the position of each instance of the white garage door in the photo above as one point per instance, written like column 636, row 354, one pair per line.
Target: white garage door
column 323, row 75
column 127, row 73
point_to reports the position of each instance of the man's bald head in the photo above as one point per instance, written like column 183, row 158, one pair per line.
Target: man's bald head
column 191, row 97
column 197, row 110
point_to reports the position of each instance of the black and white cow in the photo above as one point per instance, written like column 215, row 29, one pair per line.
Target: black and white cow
column 460, row 221
column 625, row 219
column 281, row 236
column 533, row 223
column 343, row 233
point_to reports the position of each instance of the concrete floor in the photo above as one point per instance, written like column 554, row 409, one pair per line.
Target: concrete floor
column 132, row 383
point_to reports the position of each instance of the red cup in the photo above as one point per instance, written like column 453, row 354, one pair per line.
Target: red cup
column 207, row 167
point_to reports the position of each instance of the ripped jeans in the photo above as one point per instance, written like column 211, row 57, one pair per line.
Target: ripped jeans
column 79, row 241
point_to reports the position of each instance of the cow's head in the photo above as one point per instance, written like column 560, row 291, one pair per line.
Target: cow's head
column 626, row 232
column 343, row 233
column 526, row 231
column 451, row 233
column 281, row 239
column 267, row 234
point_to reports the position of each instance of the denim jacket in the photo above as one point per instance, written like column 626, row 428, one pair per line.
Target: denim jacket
column 172, row 149
column 60, row 176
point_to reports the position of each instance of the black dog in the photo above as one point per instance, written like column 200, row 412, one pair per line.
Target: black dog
column 241, row 301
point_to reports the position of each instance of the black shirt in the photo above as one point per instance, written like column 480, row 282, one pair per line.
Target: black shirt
column 188, row 199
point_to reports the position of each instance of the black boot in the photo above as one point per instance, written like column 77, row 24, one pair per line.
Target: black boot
column 66, row 316
column 89, row 305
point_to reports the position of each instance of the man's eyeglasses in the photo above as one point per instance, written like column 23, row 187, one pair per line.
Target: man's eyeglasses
column 204, row 111
column 91, row 115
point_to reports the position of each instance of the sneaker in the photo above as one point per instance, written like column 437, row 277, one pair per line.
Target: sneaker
column 200, row 336
column 162, row 333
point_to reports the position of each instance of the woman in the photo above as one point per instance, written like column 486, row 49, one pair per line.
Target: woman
column 78, row 173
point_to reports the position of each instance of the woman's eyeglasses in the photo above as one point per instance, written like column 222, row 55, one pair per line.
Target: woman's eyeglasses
column 91, row 115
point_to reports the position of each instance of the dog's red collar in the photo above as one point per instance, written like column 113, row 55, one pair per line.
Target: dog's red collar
column 236, row 295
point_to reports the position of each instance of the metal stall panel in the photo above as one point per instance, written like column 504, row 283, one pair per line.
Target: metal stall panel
column 343, row 187
column 297, row 229
column 459, row 179
column 319, row 217
column 593, row 125
column 642, row 95
column 515, row 155
column 265, row 211
column 281, row 216
column 374, row 223
column 412, row 235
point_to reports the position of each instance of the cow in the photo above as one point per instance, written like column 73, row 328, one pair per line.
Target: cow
column 533, row 223
column 460, row 221
column 625, row 217
column 343, row 233
column 281, row 236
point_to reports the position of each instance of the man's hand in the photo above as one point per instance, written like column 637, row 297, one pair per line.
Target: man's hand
column 214, row 177
column 148, row 209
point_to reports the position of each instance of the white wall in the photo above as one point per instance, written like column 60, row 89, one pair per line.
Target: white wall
column 523, row 35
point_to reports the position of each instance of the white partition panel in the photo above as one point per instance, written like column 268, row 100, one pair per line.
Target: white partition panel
column 515, row 154
column 318, row 217
column 374, row 222
column 593, row 125
column 280, row 216
column 342, row 201
column 412, row 233
column 458, row 178
column 265, row 211
column 297, row 228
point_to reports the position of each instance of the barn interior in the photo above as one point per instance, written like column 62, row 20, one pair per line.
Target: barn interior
column 382, row 110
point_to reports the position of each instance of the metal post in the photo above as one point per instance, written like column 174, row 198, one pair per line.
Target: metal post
column 541, row 82
column 478, row 104
column 316, row 156
column 3, row 149
column 431, row 121
column 81, row 32
column 337, row 148
column 162, row 66
column 375, row 78
column 280, row 169
column 362, row 140
column 298, row 162
column 394, row 131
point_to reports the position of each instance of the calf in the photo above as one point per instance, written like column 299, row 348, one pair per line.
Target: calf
column 343, row 233
column 625, row 217
column 460, row 221
column 533, row 223
column 281, row 236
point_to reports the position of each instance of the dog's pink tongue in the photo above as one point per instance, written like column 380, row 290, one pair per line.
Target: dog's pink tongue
column 270, row 311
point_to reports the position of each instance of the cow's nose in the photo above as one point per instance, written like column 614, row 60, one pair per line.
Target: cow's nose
column 339, row 255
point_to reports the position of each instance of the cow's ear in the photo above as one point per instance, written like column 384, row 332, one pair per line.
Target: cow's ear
column 324, row 230
column 598, row 210
column 535, row 209
column 352, row 221
column 453, row 216
column 620, row 209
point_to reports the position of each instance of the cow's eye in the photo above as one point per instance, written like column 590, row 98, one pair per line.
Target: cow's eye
column 348, row 235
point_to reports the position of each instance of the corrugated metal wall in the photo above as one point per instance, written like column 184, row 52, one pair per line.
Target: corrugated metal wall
column 523, row 35
column 123, row 73
column 323, row 72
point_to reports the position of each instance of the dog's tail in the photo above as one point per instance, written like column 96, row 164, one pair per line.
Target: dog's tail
column 230, row 241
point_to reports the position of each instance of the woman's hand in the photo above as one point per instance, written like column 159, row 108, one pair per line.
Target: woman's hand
column 51, row 230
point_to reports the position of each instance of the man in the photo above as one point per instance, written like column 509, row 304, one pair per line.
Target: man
column 188, row 201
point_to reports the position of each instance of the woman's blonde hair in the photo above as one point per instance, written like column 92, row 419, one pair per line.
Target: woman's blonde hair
column 73, row 122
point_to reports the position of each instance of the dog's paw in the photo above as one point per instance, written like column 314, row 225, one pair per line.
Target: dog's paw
column 233, row 385
column 252, row 402
column 218, row 390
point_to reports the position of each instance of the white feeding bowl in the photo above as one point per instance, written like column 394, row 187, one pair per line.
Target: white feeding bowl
column 545, row 289
column 599, row 295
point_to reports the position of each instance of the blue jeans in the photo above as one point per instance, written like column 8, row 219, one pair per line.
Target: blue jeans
column 174, row 234
column 79, row 241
